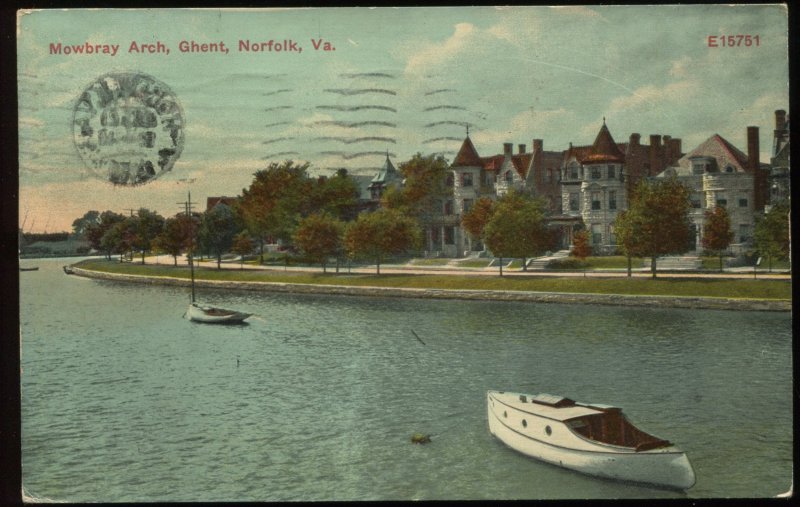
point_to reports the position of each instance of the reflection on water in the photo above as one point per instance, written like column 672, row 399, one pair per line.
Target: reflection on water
column 316, row 399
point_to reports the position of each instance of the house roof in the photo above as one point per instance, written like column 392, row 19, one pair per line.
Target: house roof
column 211, row 202
column 467, row 156
column 520, row 161
column 604, row 149
column 386, row 173
column 718, row 147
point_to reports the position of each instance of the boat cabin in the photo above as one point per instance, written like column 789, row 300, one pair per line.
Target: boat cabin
column 602, row 423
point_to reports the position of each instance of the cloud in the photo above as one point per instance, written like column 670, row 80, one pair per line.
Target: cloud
column 680, row 66
column 434, row 54
column 523, row 127
column 650, row 96
column 578, row 11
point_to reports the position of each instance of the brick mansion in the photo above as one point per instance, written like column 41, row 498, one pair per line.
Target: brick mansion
column 587, row 186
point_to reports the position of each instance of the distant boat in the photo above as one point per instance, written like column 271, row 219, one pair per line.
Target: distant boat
column 590, row 438
column 68, row 270
column 207, row 314
column 211, row 315
column 33, row 268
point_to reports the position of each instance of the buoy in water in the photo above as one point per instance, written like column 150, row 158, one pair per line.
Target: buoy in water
column 420, row 438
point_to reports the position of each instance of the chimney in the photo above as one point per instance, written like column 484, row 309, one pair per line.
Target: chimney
column 759, row 176
column 655, row 155
column 538, row 145
column 675, row 150
column 780, row 120
column 508, row 149
column 521, row 148
column 635, row 139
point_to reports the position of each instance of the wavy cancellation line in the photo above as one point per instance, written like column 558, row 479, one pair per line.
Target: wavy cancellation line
column 448, row 122
column 441, row 90
column 357, row 108
column 436, row 139
column 279, row 154
column 362, row 91
column 277, row 140
column 277, row 108
column 438, row 108
column 355, row 124
column 351, row 140
column 277, row 123
column 345, row 156
column 368, row 74
column 284, row 90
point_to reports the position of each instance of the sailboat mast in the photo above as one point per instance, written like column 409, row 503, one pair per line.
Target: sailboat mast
column 191, row 240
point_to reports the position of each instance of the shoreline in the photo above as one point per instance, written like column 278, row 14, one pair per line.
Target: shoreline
column 687, row 302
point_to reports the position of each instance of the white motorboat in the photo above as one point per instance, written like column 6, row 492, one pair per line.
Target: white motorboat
column 590, row 438
column 211, row 315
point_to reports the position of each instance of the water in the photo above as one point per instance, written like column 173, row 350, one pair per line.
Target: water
column 125, row 401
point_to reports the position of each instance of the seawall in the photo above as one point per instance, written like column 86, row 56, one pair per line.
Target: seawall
column 704, row 303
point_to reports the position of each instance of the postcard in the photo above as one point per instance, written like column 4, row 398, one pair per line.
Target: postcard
column 413, row 253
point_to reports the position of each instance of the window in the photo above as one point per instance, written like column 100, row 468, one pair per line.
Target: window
column 744, row 233
column 729, row 169
column 450, row 180
column 611, row 172
column 509, row 177
column 597, row 235
column 448, row 207
column 548, row 175
column 696, row 200
column 466, row 179
column 722, row 202
column 596, row 201
column 449, row 236
column 467, row 205
column 612, row 199
column 742, row 203
column 573, row 172
column 597, row 173
column 573, row 201
column 435, row 236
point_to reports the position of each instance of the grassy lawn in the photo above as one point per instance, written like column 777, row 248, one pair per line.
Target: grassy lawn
column 473, row 263
column 741, row 288
column 430, row 262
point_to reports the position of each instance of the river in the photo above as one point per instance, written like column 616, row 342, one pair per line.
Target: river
column 317, row 398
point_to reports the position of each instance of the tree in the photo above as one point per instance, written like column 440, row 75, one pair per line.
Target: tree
column 118, row 238
column 146, row 226
column 424, row 189
column 772, row 233
column 95, row 231
column 717, row 233
column 379, row 234
column 242, row 245
column 319, row 237
column 81, row 226
column 272, row 205
column 581, row 247
column 336, row 196
column 656, row 222
column 474, row 221
column 217, row 230
column 176, row 235
column 517, row 228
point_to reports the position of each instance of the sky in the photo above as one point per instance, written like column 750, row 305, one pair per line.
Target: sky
column 394, row 80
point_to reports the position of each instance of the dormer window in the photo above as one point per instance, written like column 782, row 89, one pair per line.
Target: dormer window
column 509, row 177
column 729, row 169
column 573, row 171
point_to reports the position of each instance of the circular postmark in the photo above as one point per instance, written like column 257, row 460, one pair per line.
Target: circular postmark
column 128, row 128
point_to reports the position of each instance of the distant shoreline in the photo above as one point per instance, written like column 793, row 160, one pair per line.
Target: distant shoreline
column 687, row 302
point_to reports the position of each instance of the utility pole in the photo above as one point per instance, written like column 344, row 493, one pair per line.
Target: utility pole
column 188, row 209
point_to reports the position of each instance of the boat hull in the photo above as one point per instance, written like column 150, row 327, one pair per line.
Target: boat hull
column 197, row 313
column 667, row 467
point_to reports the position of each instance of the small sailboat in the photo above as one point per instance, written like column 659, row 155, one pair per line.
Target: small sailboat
column 591, row 438
column 208, row 314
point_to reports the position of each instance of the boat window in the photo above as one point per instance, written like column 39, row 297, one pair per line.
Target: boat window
column 524, row 423
column 548, row 430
